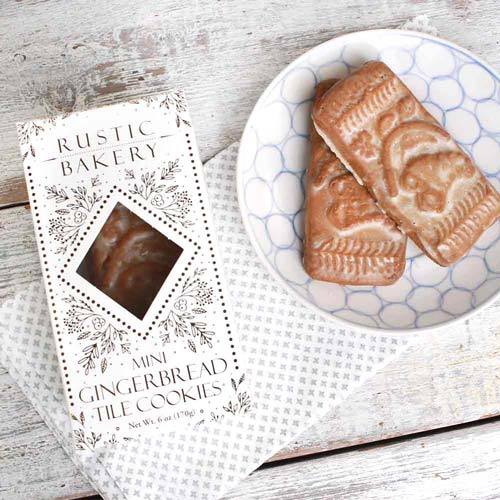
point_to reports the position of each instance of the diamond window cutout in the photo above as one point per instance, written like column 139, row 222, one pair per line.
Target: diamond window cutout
column 129, row 260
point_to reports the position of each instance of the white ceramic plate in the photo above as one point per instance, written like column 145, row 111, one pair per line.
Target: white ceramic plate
column 456, row 87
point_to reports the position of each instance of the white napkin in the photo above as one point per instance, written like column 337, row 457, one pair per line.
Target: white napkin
column 298, row 366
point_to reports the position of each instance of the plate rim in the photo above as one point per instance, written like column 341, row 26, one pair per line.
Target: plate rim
column 245, row 215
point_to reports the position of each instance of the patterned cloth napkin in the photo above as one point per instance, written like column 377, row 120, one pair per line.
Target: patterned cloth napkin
column 298, row 366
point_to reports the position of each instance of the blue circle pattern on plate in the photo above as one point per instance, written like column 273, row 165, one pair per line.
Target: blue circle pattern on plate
column 462, row 94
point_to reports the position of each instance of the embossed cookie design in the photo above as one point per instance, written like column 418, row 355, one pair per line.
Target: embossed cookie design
column 409, row 163
column 431, row 176
column 348, row 239
column 351, row 204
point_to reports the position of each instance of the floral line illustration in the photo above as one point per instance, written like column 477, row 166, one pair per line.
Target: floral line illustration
column 174, row 101
column 83, row 440
column 88, row 441
column 183, row 320
column 72, row 212
column 103, row 338
column 174, row 203
column 242, row 403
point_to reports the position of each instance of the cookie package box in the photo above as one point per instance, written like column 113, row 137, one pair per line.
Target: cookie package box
column 141, row 320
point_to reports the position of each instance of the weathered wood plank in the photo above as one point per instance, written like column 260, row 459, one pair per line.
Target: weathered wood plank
column 13, row 191
column 447, row 380
column 459, row 464
column 35, row 453
column 19, row 262
column 222, row 53
column 32, row 464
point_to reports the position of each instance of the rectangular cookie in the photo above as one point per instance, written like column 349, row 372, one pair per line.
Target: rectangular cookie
column 409, row 163
column 347, row 239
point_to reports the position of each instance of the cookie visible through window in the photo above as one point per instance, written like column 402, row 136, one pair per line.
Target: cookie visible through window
column 129, row 260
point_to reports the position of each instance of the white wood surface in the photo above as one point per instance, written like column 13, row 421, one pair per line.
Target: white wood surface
column 32, row 464
column 461, row 464
column 58, row 55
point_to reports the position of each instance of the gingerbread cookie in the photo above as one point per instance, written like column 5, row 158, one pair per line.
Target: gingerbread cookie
column 348, row 239
column 129, row 260
column 408, row 162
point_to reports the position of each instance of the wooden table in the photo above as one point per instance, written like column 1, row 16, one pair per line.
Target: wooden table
column 427, row 426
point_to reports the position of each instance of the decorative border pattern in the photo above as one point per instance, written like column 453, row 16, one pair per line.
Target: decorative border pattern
column 95, row 303
column 211, row 244
column 49, row 283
